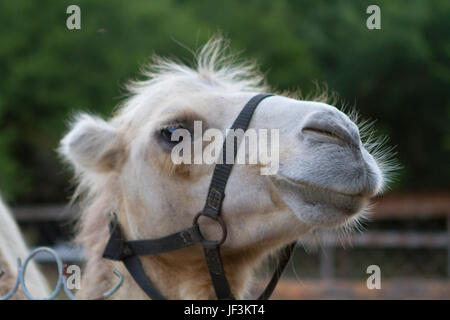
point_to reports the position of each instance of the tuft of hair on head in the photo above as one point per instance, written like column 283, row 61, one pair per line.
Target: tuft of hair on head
column 214, row 65
column 214, row 61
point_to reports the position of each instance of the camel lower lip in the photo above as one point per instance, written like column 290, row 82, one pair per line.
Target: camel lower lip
column 347, row 204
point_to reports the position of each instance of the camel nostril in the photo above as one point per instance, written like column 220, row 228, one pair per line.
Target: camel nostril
column 327, row 127
column 330, row 133
column 322, row 132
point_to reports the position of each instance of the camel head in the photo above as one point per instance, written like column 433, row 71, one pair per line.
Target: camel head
column 323, row 178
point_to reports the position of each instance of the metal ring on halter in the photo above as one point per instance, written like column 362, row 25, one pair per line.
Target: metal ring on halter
column 219, row 220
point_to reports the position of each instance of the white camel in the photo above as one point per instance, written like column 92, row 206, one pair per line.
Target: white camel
column 12, row 247
column 325, row 179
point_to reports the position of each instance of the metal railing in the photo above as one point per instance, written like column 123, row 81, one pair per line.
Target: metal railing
column 61, row 283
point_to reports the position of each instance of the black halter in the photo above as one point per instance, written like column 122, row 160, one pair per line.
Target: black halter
column 128, row 252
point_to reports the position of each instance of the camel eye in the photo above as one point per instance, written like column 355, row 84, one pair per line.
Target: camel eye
column 166, row 134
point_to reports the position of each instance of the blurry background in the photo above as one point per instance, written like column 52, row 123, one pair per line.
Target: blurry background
column 399, row 75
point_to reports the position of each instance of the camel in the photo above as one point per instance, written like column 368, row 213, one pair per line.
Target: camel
column 326, row 175
column 12, row 247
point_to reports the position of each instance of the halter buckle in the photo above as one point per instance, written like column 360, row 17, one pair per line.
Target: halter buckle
column 217, row 219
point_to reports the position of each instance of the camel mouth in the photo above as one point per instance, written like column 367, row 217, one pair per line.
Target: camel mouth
column 316, row 197
column 304, row 184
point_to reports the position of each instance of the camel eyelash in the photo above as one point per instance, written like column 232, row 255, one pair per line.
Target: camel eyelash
column 172, row 124
column 164, row 134
column 186, row 122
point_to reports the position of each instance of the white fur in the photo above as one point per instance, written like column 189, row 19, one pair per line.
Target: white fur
column 12, row 246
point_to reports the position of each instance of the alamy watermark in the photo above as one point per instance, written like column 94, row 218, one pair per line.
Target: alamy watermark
column 374, row 280
column 73, row 21
column 254, row 147
column 73, row 276
column 374, row 20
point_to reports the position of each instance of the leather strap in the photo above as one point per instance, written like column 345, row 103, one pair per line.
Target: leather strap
column 134, row 267
column 215, row 267
column 216, row 195
column 282, row 263
column 117, row 248
column 129, row 251
column 222, row 171
column 182, row 239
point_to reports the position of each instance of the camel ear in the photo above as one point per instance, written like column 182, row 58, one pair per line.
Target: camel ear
column 93, row 145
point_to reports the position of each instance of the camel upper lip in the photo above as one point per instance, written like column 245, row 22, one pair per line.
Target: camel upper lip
column 300, row 183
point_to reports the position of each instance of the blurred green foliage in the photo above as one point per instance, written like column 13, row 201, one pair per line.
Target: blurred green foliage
column 399, row 75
